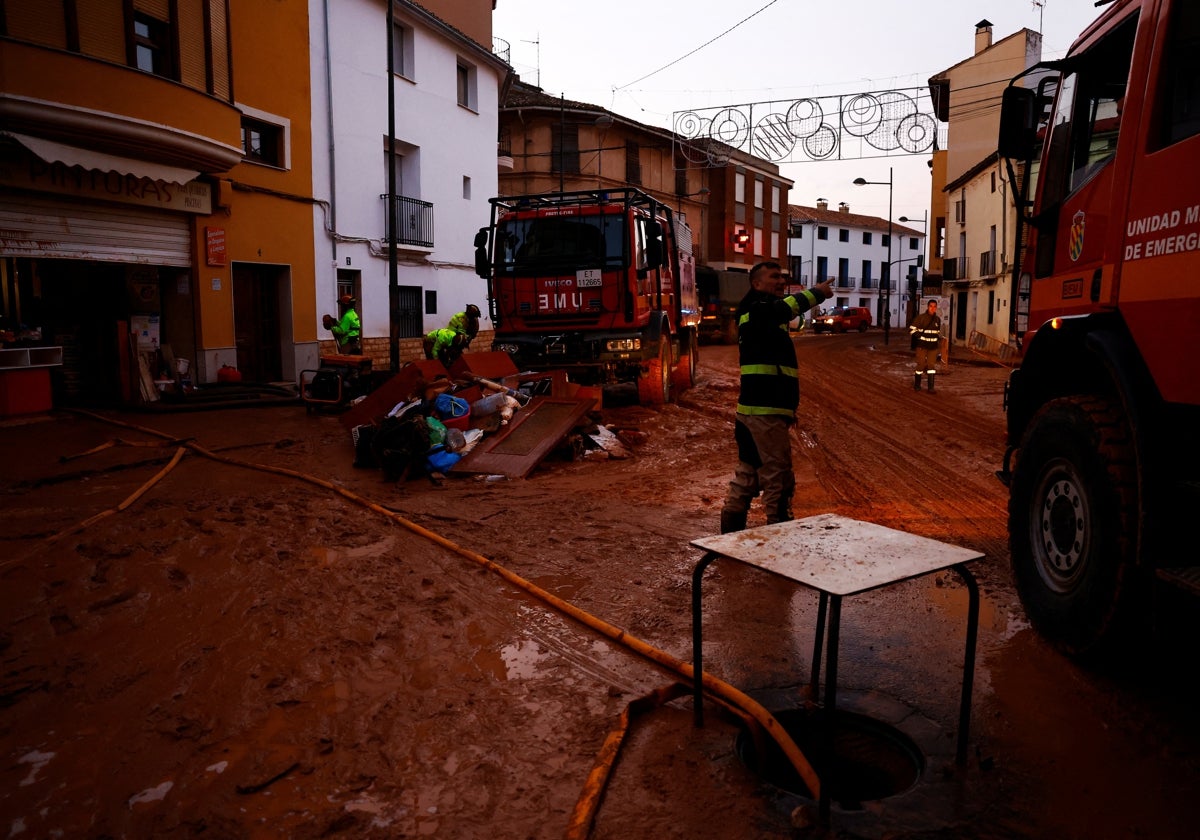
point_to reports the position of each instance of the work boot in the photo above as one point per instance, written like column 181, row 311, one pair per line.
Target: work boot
column 929, row 378
column 916, row 382
column 732, row 520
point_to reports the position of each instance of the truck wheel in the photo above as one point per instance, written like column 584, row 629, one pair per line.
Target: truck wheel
column 862, row 326
column 1072, row 518
column 684, row 375
column 654, row 384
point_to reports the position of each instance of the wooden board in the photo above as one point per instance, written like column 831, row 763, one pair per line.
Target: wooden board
column 400, row 388
column 531, row 435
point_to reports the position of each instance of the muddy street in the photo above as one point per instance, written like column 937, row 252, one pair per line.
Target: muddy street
column 259, row 640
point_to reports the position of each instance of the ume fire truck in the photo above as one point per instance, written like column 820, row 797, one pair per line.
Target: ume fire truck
column 1103, row 414
column 600, row 283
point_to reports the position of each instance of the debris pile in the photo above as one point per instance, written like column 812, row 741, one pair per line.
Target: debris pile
column 481, row 416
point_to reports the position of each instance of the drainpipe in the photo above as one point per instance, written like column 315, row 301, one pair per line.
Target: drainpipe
column 332, row 156
column 393, row 271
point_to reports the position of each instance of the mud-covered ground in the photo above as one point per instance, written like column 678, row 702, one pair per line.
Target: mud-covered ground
column 268, row 642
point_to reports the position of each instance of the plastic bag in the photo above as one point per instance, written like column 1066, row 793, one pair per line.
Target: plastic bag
column 447, row 405
column 437, row 431
column 439, row 460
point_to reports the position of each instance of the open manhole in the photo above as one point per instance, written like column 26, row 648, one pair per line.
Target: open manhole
column 861, row 760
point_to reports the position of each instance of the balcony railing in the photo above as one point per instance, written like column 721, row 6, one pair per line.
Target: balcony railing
column 987, row 263
column 414, row 221
column 955, row 268
column 504, row 143
column 845, row 283
column 502, row 49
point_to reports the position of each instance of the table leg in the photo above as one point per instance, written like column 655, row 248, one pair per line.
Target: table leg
column 814, row 680
column 698, row 640
column 829, row 713
column 968, row 683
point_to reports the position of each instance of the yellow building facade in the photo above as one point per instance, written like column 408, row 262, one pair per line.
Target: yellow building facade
column 155, row 190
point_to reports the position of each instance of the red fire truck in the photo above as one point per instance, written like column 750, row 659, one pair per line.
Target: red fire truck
column 1103, row 415
column 600, row 283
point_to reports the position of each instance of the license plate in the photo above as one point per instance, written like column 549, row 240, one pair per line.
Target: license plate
column 588, row 278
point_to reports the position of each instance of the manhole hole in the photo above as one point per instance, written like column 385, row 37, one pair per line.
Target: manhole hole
column 866, row 760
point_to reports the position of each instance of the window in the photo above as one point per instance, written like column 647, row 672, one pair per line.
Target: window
column 739, row 187
column 866, row 237
column 912, row 243
column 402, row 50
column 466, row 75
column 430, row 301
column 151, row 44
column 564, row 141
column 822, row 232
column 843, row 235
column 843, row 271
column 991, row 306
column 775, row 198
column 866, row 274
column 993, row 182
column 774, row 246
column 1181, row 87
column 262, row 142
column 822, row 269
column 758, row 193
column 885, row 240
column 633, row 162
column 466, row 187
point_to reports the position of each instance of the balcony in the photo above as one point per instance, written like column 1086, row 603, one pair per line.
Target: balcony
column 955, row 269
column 987, row 263
column 414, row 222
column 504, row 158
column 845, row 284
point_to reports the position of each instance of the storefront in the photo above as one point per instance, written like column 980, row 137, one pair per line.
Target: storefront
column 96, row 257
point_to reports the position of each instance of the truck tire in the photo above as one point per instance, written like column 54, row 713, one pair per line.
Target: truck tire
column 1072, row 523
column 654, row 383
column 684, row 375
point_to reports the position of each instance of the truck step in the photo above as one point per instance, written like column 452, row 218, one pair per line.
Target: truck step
column 1184, row 577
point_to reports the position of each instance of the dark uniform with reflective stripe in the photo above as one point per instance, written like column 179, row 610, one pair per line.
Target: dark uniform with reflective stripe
column 767, row 401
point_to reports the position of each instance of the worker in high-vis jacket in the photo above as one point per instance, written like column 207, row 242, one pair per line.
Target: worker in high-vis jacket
column 466, row 322
column 769, row 396
column 926, row 332
column 444, row 344
column 347, row 331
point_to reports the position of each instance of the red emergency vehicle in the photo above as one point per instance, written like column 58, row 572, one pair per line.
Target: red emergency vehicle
column 1103, row 414
column 600, row 283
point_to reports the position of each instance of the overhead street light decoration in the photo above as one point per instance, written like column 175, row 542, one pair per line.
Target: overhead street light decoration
column 887, row 289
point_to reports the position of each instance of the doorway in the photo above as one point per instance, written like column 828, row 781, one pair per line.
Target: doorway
column 260, row 304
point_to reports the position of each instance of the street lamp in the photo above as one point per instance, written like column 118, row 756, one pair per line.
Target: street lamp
column 887, row 292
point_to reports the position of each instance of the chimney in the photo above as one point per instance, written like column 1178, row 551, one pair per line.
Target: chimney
column 983, row 35
column 844, row 207
column 822, row 204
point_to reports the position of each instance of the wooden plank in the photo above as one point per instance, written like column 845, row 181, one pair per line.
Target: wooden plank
column 533, row 433
column 400, row 388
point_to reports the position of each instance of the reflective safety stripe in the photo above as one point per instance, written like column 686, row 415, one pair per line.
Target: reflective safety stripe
column 762, row 409
column 770, row 370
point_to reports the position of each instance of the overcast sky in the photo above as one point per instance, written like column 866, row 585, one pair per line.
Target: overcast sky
column 599, row 52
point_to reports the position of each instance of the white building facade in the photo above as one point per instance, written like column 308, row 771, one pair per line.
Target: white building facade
column 447, row 87
column 854, row 250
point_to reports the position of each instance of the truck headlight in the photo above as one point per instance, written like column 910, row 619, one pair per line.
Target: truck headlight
column 618, row 345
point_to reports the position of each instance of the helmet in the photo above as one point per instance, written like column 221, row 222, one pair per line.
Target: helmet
column 472, row 310
column 345, row 300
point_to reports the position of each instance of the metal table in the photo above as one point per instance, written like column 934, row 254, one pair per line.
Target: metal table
column 838, row 556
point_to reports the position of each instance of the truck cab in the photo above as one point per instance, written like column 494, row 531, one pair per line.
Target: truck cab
column 1103, row 462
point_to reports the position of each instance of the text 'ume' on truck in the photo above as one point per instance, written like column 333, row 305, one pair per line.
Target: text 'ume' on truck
column 599, row 283
column 1103, row 458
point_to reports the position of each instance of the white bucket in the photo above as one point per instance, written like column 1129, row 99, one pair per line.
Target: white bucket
column 182, row 365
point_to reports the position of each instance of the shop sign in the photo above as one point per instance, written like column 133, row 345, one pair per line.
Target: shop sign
column 214, row 240
column 33, row 173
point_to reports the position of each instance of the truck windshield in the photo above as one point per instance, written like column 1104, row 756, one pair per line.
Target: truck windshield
column 558, row 244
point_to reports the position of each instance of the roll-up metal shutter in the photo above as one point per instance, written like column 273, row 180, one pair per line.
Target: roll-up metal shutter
column 37, row 227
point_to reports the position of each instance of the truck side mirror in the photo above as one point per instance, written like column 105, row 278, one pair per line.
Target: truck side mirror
column 1018, row 123
column 654, row 244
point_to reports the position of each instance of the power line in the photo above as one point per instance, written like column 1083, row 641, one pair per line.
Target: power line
column 702, row 46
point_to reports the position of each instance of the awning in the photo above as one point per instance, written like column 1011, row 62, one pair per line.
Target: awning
column 53, row 152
